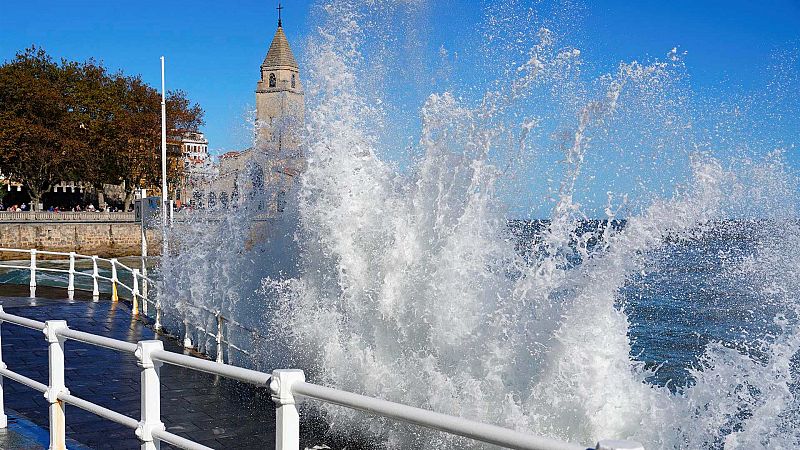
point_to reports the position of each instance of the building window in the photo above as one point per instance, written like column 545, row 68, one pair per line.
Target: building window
column 280, row 201
column 272, row 81
column 293, row 81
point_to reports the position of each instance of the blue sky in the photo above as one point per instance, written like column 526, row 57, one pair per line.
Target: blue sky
column 214, row 48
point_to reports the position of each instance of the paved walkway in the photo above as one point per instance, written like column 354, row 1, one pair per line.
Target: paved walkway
column 213, row 411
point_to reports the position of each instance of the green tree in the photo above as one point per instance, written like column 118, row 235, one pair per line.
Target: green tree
column 76, row 121
column 39, row 130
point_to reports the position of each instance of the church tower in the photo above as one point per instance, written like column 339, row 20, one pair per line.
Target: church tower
column 279, row 98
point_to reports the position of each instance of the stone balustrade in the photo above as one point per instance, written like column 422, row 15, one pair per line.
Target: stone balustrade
column 66, row 216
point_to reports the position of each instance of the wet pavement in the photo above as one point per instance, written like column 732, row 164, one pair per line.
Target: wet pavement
column 213, row 411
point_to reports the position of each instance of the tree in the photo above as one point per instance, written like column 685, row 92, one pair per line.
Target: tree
column 76, row 121
column 136, row 160
column 39, row 130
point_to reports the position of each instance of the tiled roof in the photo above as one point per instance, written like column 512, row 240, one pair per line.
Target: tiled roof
column 279, row 53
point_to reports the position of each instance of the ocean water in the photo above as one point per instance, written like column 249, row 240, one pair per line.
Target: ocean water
column 655, row 298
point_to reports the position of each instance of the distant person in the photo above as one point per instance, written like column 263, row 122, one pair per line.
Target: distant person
column 24, row 207
column 51, row 209
column 90, row 208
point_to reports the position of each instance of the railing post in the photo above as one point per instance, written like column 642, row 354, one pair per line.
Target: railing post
column 95, row 274
column 143, row 230
column 135, row 292
column 144, row 296
column 220, row 357
column 114, row 279
column 3, row 417
column 33, row 273
column 615, row 444
column 287, row 419
column 55, row 352
column 71, row 284
column 150, row 394
column 187, row 339
column 145, row 289
column 157, row 325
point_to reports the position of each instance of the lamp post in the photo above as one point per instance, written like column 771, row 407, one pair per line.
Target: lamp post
column 164, row 193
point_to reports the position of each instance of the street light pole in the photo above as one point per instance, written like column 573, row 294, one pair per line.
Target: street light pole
column 164, row 193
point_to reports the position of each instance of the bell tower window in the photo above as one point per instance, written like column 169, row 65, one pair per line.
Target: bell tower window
column 272, row 81
column 293, row 81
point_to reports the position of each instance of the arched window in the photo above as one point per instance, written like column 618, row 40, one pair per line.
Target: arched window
column 293, row 81
column 272, row 81
column 212, row 200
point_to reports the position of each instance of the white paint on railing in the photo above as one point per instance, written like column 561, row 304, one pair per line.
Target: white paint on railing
column 33, row 273
column 135, row 292
column 55, row 357
column 157, row 324
column 3, row 417
column 187, row 338
column 150, row 394
column 483, row 432
column 220, row 358
column 217, row 335
column 71, row 281
column 615, row 444
column 287, row 418
column 284, row 384
column 114, row 280
column 95, row 275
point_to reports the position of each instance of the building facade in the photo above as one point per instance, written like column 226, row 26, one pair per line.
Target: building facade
column 266, row 170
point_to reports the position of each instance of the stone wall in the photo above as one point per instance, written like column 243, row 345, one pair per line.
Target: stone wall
column 111, row 239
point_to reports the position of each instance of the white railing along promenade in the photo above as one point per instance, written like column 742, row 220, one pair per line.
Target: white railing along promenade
column 112, row 264
column 139, row 292
column 65, row 216
column 283, row 384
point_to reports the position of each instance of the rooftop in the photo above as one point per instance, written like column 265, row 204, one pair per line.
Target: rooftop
column 280, row 54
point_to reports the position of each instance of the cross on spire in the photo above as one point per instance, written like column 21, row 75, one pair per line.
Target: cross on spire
column 279, row 8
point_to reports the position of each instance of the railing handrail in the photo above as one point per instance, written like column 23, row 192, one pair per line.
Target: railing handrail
column 483, row 432
column 77, row 256
column 116, row 282
column 283, row 383
column 279, row 383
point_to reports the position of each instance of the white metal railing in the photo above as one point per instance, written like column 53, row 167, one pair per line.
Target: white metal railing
column 139, row 293
column 283, row 384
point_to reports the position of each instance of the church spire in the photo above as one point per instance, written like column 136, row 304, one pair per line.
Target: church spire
column 279, row 54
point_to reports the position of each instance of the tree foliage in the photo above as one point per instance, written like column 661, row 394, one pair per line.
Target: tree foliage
column 69, row 121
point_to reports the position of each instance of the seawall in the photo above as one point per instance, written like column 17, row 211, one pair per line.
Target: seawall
column 106, row 239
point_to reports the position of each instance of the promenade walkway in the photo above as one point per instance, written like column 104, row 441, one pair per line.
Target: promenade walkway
column 216, row 412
